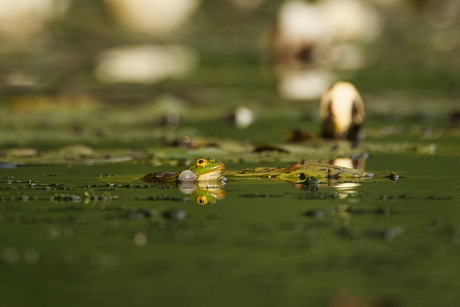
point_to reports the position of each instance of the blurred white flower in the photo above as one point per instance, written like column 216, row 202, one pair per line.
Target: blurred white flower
column 145, row 63
column 441, row 13
column 248, row 4
column 154, row 17
column 304, row 84
column 342, row 112
column 244, row 117
column 22, row 19
column 350, row 20
column 311, row 39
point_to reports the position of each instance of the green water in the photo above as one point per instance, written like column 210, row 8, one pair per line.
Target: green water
column 77, row 233
column 394, row 244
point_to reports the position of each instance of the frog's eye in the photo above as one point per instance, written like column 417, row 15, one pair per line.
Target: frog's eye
column 201, row 162
column 202, row 200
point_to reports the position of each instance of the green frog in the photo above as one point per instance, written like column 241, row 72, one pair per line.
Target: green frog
column 203, row 169
column 300, row 172
column 209, row 169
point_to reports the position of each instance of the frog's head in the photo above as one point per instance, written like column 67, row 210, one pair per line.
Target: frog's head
column 203, row 169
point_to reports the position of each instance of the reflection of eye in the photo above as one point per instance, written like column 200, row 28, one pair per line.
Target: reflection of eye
column 201, row 162
column 202, row 200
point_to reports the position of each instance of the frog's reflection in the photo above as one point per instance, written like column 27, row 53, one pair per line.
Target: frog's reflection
column 203, row 192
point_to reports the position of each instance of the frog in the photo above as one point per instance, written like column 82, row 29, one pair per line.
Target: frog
column 299, row 172
column 204, row 169
column 209, row 169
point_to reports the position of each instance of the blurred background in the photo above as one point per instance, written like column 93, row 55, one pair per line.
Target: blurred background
column 159, row 83
column 114, row 70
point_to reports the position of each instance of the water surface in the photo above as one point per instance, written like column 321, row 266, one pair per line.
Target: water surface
column 92, row 239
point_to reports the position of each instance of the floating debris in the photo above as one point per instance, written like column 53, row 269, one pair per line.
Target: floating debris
column 24, row 198
column 319, row 195
column 21, row 152
column 140, row 239
column 393, row 177
column 270, row 148
column 162, row 198
column 134, row 186
column 454, row 119
column 441, row 227
column 174, row 214
column 394, row 197
column 66, row 198
column 298, row 136
column 315, row 214
column 7, row 165
column 259, row 196
column 439, row 197
column 138, row 214
column 388, row 234
column 243, row 117
column 366, row 210
column 57, row 186
column 11, row 256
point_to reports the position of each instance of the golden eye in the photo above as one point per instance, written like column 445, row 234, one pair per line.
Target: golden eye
column 202, row 200
column 201, row 162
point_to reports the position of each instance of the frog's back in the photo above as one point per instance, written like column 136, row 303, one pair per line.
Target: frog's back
column 161, row 176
